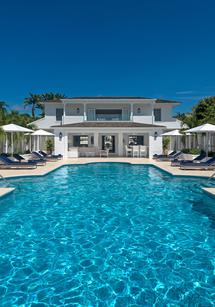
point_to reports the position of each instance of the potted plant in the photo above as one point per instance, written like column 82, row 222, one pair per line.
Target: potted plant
column 49, row 146
column 166, row 142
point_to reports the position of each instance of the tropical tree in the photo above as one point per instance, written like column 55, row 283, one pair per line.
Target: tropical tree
column 34, row 100
column 2, row 134
column 187, row 119
column 3, row 107
column 3, row 112
column 204, row 111
column 52, row 96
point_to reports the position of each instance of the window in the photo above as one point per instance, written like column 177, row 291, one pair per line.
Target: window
column 59, row 114
column 135, row 140
column 80, row 140
column 157, row 115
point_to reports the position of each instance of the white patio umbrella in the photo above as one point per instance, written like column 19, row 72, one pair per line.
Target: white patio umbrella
column 174, row 133
column 39, row 133
column 206, row 128
column 12, row 128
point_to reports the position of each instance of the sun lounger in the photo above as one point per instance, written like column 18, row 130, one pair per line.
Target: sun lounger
column 38, row 155
column 20, row 158
column 6, row 162
column 45, row 155
column 187, row 158
column 165, row 156
column 209, row 164
column 170, row 158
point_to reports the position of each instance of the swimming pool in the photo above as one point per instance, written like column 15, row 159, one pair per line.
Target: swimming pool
column 107, row 235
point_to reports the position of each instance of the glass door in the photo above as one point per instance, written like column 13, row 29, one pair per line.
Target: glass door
column 108, row 143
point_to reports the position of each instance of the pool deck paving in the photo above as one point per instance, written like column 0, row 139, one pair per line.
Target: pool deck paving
column 50, row 166
column 5, row 191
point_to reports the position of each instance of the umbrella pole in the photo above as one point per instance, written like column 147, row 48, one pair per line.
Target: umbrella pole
column 207, row 143
column 12, row 143
column 38, row 143
column 35, row 141
column 6, row 143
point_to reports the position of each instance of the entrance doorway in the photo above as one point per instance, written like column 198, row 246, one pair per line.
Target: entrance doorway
column 108, row 143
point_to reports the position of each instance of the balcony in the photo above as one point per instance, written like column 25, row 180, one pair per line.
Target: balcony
column 108, row 115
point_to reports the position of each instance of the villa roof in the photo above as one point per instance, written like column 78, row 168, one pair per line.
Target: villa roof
column 108, row 97
column 73, row 99
column 119, row 124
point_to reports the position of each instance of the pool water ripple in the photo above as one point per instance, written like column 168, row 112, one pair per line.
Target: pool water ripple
column 107, row 235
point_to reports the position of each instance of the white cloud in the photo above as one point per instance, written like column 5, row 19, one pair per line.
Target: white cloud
column 184, row 92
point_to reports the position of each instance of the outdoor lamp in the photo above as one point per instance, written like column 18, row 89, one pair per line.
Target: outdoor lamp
column 155, row 135
column 60, row 136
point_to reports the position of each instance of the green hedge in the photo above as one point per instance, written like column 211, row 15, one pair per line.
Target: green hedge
column 192, row 151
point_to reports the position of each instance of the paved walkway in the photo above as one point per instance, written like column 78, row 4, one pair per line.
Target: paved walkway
column 50, row 166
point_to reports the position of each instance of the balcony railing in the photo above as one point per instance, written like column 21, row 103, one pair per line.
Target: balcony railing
column 104, row 117
column 108, row 117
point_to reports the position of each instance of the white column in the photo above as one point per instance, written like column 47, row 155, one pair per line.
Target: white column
column 96, row 139
column 120, row 144
column 152, row 107
column 65, row 140
column 132, row 112
column 85, row 112
column 64, row 114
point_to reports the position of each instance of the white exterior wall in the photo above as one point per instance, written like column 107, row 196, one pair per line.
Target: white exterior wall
column 167, row 118
column 143, row 119
column 74, row 113
column 137, row 112
column 155, row 144
column 61, row 145
column 166, row 112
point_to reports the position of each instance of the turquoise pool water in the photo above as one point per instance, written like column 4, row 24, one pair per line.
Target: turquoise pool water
column 107, row 235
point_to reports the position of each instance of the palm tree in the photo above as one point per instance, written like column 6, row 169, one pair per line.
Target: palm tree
column 188, row 119
column 3, row 106
column 52, row 96
column 2, row 134
column 34, row 100
column 3, row 111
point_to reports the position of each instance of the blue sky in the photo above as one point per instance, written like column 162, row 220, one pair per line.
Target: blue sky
column 157, row 48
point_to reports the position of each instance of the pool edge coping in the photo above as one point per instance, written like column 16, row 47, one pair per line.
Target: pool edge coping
column 6, row 191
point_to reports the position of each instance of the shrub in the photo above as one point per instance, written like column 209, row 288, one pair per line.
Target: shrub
column 192, row 151
column 166, row 142
column 49, row 146
column 211, row 154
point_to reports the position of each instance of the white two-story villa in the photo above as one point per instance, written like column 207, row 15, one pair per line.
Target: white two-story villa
column 93, row 125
